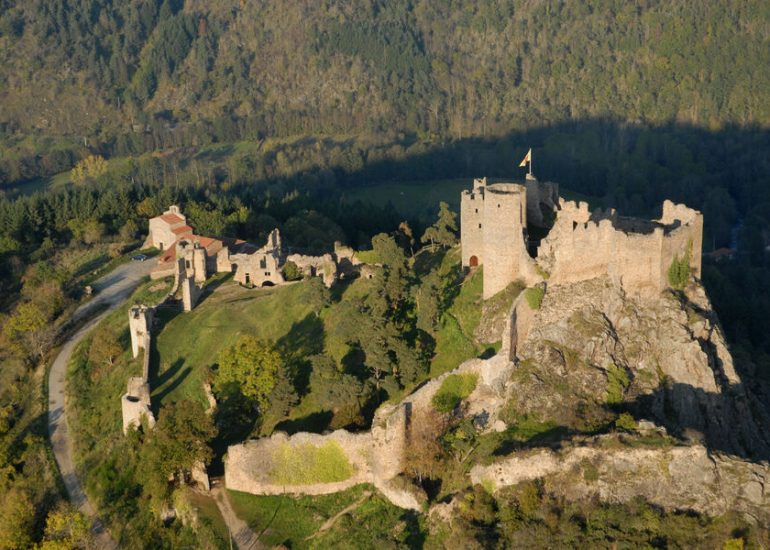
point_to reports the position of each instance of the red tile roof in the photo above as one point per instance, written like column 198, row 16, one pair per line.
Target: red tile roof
column 171, row 219
column 211, row 244
column 185, row 229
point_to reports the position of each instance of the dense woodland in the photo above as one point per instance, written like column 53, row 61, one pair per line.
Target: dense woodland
column 255, row 115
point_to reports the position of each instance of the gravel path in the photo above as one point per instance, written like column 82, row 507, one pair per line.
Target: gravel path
column 242, row 534
column 111, row 290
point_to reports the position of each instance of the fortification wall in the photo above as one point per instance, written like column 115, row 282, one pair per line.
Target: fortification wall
column 684, row 230
column 635, row 254
column 249, row 466
column 516, row 329
column 378, row 455
column 135, row 403
column 541, row 195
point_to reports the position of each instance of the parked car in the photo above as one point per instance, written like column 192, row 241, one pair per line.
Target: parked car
column 139, row 258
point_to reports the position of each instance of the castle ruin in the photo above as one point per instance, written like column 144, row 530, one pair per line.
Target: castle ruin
column 636, row 254
column 192, row 259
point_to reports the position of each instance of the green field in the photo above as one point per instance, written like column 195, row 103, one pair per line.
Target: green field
column 358, row 518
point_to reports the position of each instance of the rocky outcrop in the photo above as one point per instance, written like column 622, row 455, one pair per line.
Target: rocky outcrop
column 591, row 349
column 687, row 478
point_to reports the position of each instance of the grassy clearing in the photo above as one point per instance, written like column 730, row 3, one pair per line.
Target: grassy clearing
column 453, row 390
column 211, row 524
column 307, row 464
column 292, row 520
column 189, row 343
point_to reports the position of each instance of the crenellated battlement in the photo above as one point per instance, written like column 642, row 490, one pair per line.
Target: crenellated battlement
column 582, row 244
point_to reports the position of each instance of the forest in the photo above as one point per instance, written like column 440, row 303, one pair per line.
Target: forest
column 315, row 117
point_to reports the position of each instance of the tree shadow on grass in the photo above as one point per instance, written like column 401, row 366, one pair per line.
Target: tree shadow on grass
column 170, row 380
column 316, row 422
column 305, row 338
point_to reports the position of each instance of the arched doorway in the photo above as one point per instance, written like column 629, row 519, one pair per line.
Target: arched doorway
column 474, row 261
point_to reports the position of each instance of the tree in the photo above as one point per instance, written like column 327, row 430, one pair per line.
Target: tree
column 444, row 231
column 251, row 367
column 394, row 264
column 29, row 331
column 318, row 296
column 129, row 230
column 66, row 528
column 105, row 347
column 17, row 520
column 424, row 455
column 90, row 168
column 178, row 441
column 291, row 272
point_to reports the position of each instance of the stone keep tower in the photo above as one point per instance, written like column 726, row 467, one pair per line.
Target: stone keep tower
column 493, row 221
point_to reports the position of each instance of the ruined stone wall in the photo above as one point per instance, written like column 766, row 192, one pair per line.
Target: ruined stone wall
column 191, row 293
column 635, row 254
column 139, row 323
column 135, row 403
column 517, row 327
column 686, row 230
column 316, row 266
column 540, row 196
column 257, row 269
column 377, row 455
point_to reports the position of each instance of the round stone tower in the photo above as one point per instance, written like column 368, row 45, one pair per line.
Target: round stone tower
column 504, row 236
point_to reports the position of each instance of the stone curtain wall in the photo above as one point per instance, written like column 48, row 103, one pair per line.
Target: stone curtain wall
column 377, row 455
column 584, row 246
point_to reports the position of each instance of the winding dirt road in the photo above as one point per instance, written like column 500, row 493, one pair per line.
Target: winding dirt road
column 111, row 290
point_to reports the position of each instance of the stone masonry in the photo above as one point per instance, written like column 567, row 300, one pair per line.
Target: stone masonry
column 581, row 245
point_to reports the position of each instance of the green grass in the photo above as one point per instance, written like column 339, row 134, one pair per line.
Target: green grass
column 534, row 296
column 210, row 517
column 453, row 390
column 190, row 342
column 294, row 521
column 307, row 464
column 455, row 342
column 367, row 256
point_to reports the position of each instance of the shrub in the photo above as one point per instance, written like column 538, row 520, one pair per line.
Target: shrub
column 291, row 272
column 625, row 422
column 617, row 383
column 453, row 390
column 307, row 464
column 534, row 296
column 679, row 270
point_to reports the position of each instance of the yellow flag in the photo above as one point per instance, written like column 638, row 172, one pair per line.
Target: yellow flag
column 527, row 158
